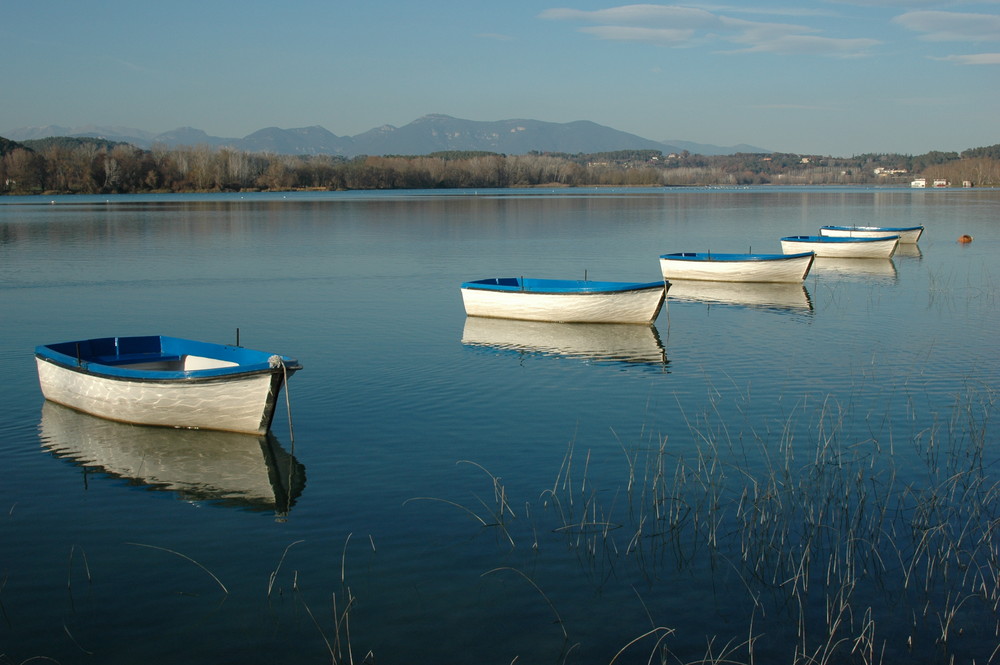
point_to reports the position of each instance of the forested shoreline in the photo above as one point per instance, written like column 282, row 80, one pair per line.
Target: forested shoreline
column 94, row 166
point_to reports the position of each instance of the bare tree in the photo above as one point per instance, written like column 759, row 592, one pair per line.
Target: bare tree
column 24, row 171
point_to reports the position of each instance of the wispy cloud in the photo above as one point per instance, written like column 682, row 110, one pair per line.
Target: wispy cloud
column 652, row 16
column 495, row 36
column 676, row 26
column 790, row 107
column 974, row 59
column 764, row 10
column 938, row 26
column 909, row 4
column 813, row 45
column 125, row 64
column 890, row 3
column 662, row 36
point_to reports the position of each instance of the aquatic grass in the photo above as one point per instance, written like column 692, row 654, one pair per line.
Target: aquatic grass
column 534, row 585
column 833, row 539
column 500, row 509
column 822, row 545
column 186, row 558
column 274, row 573
column 498, row 512
column 331, row 650
column 86, row 567
column 74, row 641
column 338, row 642
column 3, row 608
column 660, row 633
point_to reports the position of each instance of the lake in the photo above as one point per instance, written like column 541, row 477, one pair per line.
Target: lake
column 762, row 476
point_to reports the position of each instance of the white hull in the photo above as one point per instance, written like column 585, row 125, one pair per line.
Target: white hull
column 906, row 237
column 876, row 249
column 784, row 270
column 638, row 306
column 235, row 404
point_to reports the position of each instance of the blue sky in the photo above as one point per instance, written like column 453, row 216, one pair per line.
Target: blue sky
column 836, row 77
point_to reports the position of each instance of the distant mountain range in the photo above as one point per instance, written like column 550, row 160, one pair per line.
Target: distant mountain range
column 431, row 133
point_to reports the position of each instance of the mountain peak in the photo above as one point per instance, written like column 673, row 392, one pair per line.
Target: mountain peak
column 434, row 132
column 432, row 117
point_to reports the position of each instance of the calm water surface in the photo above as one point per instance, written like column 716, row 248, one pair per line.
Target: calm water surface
column 769, row 475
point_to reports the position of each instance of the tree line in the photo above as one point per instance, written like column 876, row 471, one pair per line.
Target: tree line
column 95, row 166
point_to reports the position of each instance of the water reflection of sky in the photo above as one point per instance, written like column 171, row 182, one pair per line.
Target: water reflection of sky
column 394, row 404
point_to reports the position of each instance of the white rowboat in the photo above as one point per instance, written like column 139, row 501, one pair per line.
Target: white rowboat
column 855, row 248
column 907, row 234
column 565, row 301
column 165, row 381
column 737, row 267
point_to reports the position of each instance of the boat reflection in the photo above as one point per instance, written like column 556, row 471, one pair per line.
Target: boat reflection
column 755, row 295
column 602, row 342
column 908, row 251
column 868, row 270
column 236, row 470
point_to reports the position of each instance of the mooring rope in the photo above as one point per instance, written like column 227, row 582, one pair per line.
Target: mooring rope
column 275, row 361
column 288, row 408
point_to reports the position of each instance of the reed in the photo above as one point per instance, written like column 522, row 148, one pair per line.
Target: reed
column 337, row 637
column 331, row 650
column 811, row 515
column 660, row 633
column 3, row 608
column 186, row 558
column 274, row 573
column 73, row 640
column 86, row 567
column 537, row 588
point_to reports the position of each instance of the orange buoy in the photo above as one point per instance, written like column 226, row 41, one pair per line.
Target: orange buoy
column 965, row 238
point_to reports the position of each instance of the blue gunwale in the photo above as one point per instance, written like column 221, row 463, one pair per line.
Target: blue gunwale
column 557, row 286
column 710, row 256
column 107, row 356
column 836, row 239
column 888, row 229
